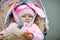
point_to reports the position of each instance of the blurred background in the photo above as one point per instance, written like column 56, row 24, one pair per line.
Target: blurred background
column 53, row 13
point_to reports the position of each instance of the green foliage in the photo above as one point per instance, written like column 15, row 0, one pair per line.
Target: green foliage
column 0, row 0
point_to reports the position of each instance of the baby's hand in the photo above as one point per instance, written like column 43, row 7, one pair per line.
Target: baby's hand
column 1, row 36
column 28, row 35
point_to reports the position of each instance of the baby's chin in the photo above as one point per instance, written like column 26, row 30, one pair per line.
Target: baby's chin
column 27, row 21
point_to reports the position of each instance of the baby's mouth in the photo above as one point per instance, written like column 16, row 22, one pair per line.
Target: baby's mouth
column 27, row 20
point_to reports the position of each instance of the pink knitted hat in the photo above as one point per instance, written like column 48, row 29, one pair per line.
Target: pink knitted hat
column 24, row 9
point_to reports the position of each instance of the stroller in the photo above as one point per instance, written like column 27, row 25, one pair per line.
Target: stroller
column 41, row 22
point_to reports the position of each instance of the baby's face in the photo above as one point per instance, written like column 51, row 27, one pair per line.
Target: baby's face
column 26, row 17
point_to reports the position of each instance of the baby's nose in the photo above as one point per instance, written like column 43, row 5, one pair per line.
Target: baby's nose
column 27, row 19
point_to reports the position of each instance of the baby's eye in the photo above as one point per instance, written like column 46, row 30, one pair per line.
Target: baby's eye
column 23, row 16
column 31, row 16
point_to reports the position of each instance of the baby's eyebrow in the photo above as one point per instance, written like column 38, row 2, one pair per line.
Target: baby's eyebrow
column 31, row 16
column 23, row 16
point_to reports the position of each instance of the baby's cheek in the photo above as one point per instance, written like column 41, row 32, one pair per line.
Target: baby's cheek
column 30, row 18
column 23, row 19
